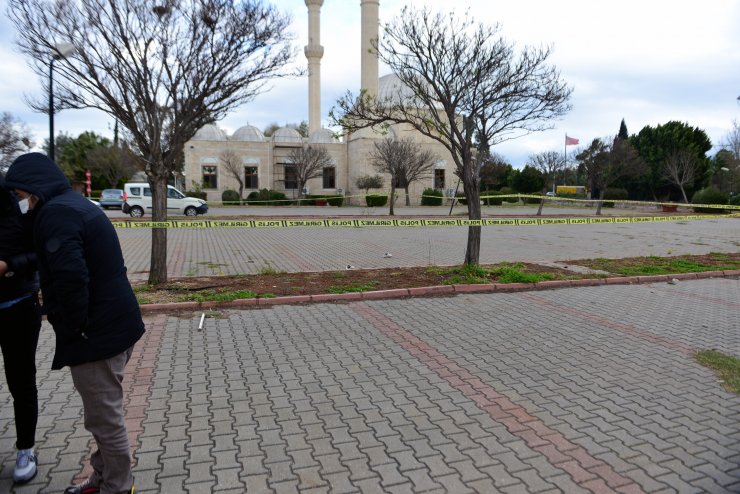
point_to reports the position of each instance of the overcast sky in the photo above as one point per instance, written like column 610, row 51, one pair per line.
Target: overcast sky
column 647, row 61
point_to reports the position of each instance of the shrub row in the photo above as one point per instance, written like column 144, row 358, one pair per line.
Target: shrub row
column 434, row 197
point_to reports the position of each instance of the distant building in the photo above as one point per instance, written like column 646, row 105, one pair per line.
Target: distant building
column 265, row 159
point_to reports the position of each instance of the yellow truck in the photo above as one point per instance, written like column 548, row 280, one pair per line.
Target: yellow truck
column 570, row 190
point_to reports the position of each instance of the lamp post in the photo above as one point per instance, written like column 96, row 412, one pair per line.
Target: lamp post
column 62, row 50
column 722, row 183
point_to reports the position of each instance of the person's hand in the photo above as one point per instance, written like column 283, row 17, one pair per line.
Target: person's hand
column 3, row 268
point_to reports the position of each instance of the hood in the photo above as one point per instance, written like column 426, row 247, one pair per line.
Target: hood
column 36, row 174
column 6, row 200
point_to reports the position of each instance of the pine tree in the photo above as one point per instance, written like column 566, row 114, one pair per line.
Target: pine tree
column 623, row 134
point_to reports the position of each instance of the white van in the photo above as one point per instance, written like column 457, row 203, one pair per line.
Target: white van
column 138, row 200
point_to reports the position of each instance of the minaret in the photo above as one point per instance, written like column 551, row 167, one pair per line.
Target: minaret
column 369, row 58
column 314, row 51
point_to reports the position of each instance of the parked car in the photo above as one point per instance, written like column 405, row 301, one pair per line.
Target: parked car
column 138, row 200
column 112, row 198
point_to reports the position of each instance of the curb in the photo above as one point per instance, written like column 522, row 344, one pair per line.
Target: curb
column 435, row 291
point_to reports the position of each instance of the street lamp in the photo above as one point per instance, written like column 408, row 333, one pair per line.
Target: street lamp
column 726, row 170
column 62, row 50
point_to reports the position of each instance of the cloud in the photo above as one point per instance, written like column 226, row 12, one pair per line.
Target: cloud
column 645, row 61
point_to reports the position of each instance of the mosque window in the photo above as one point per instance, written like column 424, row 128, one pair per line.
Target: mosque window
column 439, row 179
column 291, row 177
column 329, row 177
column 210, row 177
column 250, row 177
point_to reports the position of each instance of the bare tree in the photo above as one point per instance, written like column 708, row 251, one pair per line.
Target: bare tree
column 606, row 161
column 680, row 168
column 459, row 81
column 15, row 138
column 595, row 164
column 162, row 69
column 309, row 162
column 405, row 161
column 732, row 140
column 234, row 166
column 549, row 164
column 114, row 163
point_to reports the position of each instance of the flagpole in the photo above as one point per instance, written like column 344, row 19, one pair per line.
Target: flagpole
column 565, row 156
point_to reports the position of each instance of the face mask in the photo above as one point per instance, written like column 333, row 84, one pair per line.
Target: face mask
column 24, row 205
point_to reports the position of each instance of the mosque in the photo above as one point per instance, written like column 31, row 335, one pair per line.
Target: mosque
column 266, row 159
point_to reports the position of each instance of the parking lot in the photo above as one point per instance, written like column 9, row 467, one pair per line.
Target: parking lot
column 576, row 390
column 216, row 251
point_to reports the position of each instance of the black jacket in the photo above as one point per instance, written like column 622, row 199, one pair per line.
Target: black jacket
column 86, row 294
column 16, row 249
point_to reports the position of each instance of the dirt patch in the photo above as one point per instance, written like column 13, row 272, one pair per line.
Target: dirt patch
column 350, row 280
column 363, row 280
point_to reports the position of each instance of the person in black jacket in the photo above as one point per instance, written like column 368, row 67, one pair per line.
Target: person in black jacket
column 21, row 323
column 90, row 304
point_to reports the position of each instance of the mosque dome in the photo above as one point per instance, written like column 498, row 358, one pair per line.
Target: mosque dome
column 210, row 132
column 248, row 133
column 391, row 87
column 322, row 136
column 286, row 134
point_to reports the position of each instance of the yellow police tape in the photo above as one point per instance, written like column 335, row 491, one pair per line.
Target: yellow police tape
column 620, row 201
column 335, row 223
column 489, row 197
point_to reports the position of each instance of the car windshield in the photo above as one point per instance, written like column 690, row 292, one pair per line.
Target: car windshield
column 174, row 194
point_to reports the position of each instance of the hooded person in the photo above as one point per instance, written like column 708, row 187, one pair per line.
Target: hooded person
column 21, row 323
column 90, row 304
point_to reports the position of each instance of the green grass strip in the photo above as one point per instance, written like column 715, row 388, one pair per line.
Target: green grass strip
column 366, row 287
column 211, row 296
column 726, row 367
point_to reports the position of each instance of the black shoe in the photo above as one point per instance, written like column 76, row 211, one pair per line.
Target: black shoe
column 87, row 487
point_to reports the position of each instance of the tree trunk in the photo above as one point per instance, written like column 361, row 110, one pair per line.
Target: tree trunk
column 683, row 192
column 472, row 252
column 301, row 186
column 601, row 201
column 408, row 200
column 158, row 267
column 391, row 199
column 542, row 202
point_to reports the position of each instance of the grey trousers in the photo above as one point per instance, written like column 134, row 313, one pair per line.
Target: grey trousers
column 99, row 386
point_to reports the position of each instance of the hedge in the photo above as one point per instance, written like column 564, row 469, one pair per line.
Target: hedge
column 230, row 198
column 376, row 200
column 267, row 197
column 431, row 197
column 709, row 195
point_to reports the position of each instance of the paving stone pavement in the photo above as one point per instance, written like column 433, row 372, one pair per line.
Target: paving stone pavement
column 572, row 390
column 226, row 251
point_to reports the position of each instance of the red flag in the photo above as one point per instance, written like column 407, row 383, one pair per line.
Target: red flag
column 570, row 141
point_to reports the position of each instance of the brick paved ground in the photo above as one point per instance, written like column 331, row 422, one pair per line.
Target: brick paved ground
column 572, row 390
column 249, row 250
